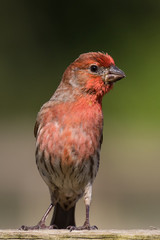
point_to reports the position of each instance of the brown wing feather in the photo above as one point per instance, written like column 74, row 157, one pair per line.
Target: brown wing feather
column 36, row 129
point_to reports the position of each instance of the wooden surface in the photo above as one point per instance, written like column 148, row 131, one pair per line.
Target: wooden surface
column 81, row 235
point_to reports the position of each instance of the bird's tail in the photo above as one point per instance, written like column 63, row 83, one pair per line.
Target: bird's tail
column 61, row 218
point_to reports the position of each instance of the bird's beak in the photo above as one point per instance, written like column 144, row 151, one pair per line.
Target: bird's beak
column 113, row 74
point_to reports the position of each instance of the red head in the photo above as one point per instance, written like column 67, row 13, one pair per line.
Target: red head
column 92, row 73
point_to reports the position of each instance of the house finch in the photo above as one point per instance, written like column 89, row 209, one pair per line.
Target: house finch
column 69, row 133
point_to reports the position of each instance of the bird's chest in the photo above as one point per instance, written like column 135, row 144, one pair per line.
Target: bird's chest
column 77, row 135
column 73, row 132
column 71, row 147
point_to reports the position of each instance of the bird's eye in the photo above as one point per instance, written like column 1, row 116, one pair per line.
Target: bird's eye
column 94, row 68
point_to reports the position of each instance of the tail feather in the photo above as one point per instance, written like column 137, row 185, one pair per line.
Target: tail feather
column 61, row 218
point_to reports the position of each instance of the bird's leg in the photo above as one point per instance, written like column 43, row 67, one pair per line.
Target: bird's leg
column 41, row 223
column 87, row 200
column 86, row 224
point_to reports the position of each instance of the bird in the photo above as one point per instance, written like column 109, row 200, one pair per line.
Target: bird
column 69, row 134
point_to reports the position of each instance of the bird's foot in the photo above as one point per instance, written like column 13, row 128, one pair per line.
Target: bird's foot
column 40, row 225
column 86, row 226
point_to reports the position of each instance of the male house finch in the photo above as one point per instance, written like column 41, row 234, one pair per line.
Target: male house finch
column 69, row 132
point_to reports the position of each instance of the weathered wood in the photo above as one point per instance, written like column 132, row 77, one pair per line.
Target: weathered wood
column 82, row 235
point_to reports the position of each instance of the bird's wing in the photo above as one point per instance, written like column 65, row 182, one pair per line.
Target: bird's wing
column 36, row 126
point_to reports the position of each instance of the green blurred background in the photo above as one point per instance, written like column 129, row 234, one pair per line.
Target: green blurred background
column 38, row 40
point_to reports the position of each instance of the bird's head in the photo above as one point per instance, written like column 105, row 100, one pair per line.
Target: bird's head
column 93, row 73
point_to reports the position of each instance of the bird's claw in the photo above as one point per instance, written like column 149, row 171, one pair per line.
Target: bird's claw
column 84, row 227
column 37, row 227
